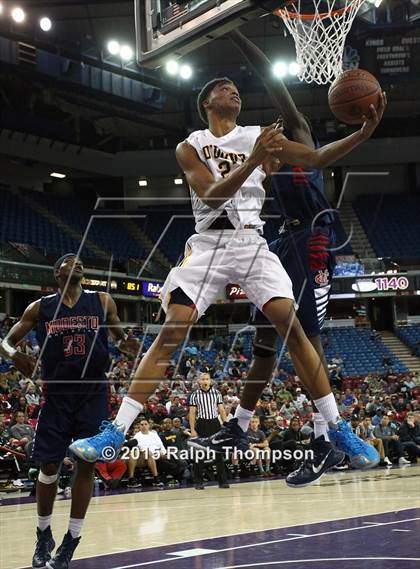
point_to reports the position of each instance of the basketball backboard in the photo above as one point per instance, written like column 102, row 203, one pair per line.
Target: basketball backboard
column 171, row 28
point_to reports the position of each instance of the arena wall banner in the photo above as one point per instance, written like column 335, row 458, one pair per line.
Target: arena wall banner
column 386, row 52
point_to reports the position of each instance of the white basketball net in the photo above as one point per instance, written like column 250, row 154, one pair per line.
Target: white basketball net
column 320, row 37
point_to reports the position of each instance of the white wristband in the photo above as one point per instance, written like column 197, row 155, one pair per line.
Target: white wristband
column 7, row 350
column 118, row 343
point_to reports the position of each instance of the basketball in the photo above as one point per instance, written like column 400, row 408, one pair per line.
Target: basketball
column 352, row 93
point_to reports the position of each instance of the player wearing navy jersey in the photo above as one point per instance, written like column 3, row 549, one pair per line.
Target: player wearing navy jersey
column 71, row 328
column 305, row 247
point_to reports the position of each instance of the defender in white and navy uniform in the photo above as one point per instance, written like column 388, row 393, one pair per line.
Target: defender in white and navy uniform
column 228, row 246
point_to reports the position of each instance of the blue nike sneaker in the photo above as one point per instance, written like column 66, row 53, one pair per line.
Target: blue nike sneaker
column 362, row 455
column 324, row 457
column 105, row 446
column 230, row 436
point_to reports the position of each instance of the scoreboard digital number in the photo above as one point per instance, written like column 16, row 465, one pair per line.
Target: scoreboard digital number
column 131, row 286
column 150, row 289
column 381, row 284
column 393, row 283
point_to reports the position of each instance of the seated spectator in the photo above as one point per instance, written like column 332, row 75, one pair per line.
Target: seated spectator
column 299, row 399
column 171, row 437
column 268, row 426
column 9, row 454
column 288, row 410
column 32, row 397
column 365, row 431
column 306, row 411
column 259, row 445
column 13, row 378
column 354, row 422
column 4, row 432
column 409, row 434
column 21, row 434
column 184, row 433
column 294, row 435
column 4, row 385
column 5, row 406
column 174, row 438
column 391, row 441
column 111, row 473
column 263, row 409
column 177, row 409
column 22, row 405
column 275, row 437
column 152, row 454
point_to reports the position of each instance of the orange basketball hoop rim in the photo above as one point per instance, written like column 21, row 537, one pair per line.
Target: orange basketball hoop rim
column 285, row 13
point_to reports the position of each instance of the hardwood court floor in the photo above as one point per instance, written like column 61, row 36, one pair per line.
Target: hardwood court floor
column 122, row 524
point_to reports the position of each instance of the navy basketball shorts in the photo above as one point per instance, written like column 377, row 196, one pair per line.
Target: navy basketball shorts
column 306, row 256
column 69, row 416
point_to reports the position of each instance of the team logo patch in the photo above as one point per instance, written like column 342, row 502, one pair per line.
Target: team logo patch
column 323, row 277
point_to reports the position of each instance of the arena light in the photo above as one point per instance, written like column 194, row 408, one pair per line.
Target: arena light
column 18, row 15
column 142, row 183
column 185, row 71
column 1, row 8
column 113, row 46
column 126, row 53
column 280, row 69
column 178, row 181
column 57, row 175
column 172, row 67
column 294, row 68
column 45, row 24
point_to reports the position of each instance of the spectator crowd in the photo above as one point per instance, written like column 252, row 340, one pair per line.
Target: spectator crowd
column 383, row 409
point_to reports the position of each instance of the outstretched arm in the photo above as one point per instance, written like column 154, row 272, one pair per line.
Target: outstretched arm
column 301, row 155
column 293, row 120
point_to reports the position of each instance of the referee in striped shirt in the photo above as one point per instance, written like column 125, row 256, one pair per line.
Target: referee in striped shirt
column 205, row 406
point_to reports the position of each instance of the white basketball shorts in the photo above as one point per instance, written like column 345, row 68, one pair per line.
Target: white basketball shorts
column 215, row 258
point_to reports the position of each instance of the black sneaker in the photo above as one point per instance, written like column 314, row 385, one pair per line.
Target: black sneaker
column 133, row 483
column 199, row 486
column 325, row 457
column 44, row 545
column 230, row 436
column 224, row 485
column 64, row 553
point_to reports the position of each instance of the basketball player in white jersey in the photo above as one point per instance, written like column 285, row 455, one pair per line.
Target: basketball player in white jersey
column 225, row 166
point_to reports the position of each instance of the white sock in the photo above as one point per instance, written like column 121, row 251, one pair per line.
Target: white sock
column 75, row 527
column 44, row 522
column 327, row 407
column 244, row 417
column 128, row 412
column 320, row 427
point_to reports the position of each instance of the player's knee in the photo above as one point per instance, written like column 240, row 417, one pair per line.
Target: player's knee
column 171, row 335
column 263, row 351
column 295, row 334
column 265, row 343
column 48, row 473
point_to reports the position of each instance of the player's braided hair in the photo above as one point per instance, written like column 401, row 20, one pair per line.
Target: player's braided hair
column 205, row 92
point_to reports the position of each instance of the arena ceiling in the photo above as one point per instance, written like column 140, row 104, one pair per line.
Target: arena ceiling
column 81, row 30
